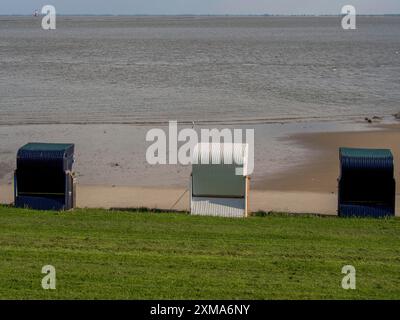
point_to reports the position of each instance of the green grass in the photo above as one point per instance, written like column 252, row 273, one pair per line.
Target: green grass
column 101, row 254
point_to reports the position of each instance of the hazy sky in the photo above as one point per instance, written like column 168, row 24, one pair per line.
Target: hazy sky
column 200, row 6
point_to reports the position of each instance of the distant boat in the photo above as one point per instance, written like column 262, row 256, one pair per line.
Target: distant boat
column 36, row 13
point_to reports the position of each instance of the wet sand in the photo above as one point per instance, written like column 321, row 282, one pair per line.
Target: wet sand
column 321, row 172
column 114, row 154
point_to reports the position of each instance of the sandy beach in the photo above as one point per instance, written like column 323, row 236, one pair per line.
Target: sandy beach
column 305, row 187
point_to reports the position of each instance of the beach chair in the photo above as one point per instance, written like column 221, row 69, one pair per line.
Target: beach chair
column 219, row 180
column 366, row 184
column 44, row 179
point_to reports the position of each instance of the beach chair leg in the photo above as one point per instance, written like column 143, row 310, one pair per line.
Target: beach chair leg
column 15, row 187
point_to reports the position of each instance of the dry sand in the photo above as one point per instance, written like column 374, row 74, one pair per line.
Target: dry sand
column 178, row 199
column 305, row 188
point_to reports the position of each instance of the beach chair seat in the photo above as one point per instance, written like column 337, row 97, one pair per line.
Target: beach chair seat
column 360, row 210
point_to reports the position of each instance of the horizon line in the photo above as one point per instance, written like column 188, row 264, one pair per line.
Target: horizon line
column 203, row 15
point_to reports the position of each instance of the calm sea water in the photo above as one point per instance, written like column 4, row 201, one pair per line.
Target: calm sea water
column 223, row 69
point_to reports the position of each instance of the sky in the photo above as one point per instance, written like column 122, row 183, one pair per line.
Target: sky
column 201, row 6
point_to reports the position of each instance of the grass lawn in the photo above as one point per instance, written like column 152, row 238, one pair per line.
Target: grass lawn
column 101, row 254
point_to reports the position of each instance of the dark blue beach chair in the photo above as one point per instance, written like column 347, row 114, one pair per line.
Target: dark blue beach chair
column 44, row 179
column 366, row 184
